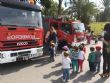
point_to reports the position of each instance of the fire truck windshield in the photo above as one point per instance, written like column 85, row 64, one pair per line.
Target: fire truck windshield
column 79, row 27
column 11, row 16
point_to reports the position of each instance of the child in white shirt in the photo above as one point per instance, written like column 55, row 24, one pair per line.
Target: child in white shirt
column 66, row 61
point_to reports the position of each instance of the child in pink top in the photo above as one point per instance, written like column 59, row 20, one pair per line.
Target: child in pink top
column 81, row 58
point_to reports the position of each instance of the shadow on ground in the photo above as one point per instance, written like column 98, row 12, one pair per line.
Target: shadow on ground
column 57, row 81
column 16, row 66
column 54, row 73
column 101, row 80
column 84, row 78
column 57, row 65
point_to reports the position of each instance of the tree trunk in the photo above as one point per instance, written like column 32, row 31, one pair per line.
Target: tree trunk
column 59, row 7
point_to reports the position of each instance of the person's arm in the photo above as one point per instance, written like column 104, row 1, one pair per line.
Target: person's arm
column 84, row 55
column 106, row 38
column 69, row 60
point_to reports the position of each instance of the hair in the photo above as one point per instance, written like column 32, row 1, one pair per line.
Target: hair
column 70, row 46
column 83, row 44
column 92, row 48
column 75, row 48
column 81, row 47
column 66, row 54
column 107, row 27
column 98, row 48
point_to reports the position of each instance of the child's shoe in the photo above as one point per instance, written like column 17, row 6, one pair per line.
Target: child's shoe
column 67, row 80
column 62, row 79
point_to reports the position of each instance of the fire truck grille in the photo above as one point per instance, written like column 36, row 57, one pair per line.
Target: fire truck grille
column 19, row 44
column 24, row 53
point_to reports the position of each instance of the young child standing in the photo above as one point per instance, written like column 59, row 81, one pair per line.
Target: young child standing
column 98, row 58
column 91, row 59
column 66, row 67
column 75, row 59
column 81, row 58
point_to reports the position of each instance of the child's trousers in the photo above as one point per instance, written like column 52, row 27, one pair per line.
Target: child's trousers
column 92, row 66
column 97, row 66
column 75, row 65
column 66, row 74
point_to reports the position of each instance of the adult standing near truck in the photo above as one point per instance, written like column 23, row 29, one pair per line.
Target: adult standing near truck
column 52, row 37
column 106, row 54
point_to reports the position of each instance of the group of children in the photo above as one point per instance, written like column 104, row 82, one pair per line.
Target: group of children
column 74, row 57
column 94, row 59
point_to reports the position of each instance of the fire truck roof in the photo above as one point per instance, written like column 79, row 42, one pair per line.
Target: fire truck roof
column 20, row 5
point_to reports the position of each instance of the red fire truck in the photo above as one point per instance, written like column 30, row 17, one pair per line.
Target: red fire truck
column 21, row 32
column 69, row 32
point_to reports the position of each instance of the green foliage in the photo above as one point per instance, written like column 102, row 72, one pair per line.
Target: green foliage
column 105, row 15
column 87, row 11
column 97, row 27
column 83, row 10
column 52, row 10
column 46, row 3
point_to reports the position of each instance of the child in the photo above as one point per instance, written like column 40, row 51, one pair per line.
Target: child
column 96, row 40
column 71, row 50
column 81, row 58
column 66, row 67
column 98, row 58
column 52, row 52
column 91, row 60
column 75, row 59
column 65, row 49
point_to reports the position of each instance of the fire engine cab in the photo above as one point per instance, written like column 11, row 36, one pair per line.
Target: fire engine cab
column 69, row 32
column 21, row 32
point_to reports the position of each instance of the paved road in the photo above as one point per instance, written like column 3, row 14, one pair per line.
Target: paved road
column 41, row 71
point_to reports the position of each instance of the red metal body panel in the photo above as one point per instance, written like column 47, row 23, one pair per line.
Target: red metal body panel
column 62, row 35
column 14, row 38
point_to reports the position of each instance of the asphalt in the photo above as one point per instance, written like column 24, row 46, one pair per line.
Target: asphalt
column 41, row 70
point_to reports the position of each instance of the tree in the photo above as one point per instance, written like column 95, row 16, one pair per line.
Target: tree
column 83, row 10
column 88, row 10
column 105, row 15
column 46, row 3
column 59, row 7
column 52, row 10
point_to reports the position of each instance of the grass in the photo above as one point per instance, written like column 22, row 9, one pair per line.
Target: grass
column 97, row 27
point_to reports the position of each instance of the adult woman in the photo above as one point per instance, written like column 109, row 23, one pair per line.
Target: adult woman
column 106, row 54
column 52, row 37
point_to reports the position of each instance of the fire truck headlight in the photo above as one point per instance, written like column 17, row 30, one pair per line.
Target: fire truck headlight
column 1, row 55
